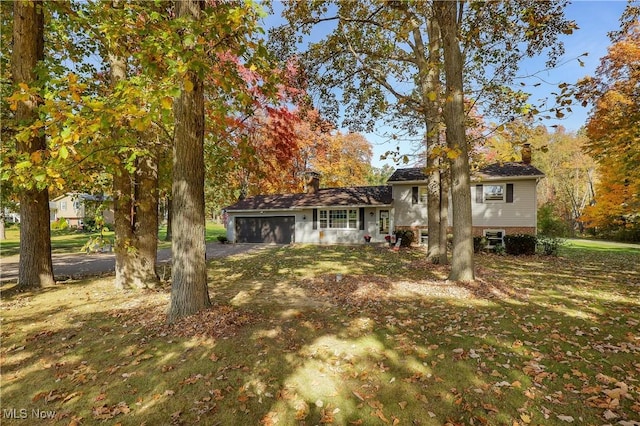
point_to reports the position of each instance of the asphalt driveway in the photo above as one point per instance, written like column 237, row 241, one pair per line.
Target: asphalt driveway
column 76, row 265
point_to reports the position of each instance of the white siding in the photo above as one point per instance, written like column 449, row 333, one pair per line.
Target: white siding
column 304, row 232
column 522, row 212
column 407, row 213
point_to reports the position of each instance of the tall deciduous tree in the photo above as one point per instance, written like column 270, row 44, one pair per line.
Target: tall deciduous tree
column 189, row 292
column 386, row 59
column 35, row 267
column 447, row 15
column 613, row 127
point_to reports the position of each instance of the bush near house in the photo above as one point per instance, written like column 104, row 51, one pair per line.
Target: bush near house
column 479, row 243
column 520, row 244
column 407, row 237
column 59, row 224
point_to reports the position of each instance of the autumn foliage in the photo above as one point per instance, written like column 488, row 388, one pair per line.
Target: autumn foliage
column 615, row 134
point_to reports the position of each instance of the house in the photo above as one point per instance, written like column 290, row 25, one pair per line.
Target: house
column 503, row 202
column 75, row 207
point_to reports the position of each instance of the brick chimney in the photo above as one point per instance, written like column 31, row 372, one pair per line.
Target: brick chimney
column 313, row 182
column 526, row 153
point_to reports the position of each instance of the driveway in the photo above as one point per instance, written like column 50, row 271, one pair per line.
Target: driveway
column 76, row 265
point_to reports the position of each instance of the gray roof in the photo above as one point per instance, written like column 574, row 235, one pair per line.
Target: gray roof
column 492, row 171
column 509, row 169
column 353, row 196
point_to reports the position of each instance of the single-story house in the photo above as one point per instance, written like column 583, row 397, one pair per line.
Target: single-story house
column 75, row 207
column 503, row 202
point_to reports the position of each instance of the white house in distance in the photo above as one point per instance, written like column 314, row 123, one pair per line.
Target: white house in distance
column 73, row 207
column 503, row 202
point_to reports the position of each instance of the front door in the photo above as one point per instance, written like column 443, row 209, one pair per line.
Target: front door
column 383, row 222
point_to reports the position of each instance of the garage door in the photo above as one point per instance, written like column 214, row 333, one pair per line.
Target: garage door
column 271, row 229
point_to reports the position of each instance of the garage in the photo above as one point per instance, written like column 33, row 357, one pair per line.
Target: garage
column 270, row 229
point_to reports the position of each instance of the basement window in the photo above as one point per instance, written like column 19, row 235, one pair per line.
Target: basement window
column 494, row 237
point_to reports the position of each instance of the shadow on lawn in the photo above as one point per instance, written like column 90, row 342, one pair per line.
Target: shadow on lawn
column 293, row 338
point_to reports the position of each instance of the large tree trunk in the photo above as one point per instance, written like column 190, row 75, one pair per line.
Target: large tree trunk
column 189, row 292
column 35, row 267
column 146, row 217
column 136, row 223
column 462, row 261
column 123, row 220
column 136, row 242
column 437, row 243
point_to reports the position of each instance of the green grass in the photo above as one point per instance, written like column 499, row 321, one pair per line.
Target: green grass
column 71, row 241
column 339, row 335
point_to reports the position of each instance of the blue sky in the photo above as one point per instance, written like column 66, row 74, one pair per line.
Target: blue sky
column 595, row 19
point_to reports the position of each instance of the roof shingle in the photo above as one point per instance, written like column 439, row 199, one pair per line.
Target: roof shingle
column 496, row 170
column 354, row 196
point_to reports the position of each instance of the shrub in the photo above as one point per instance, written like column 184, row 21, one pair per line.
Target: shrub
column 549, row 223
column 479, row 243
column 549, row 246
column 519, row 244
column 222, row 239
column 407, row 237
column 60, row 224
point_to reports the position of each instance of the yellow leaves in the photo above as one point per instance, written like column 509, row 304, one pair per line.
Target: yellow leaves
column 63, row 152
column 166, row 102
column 188, row 84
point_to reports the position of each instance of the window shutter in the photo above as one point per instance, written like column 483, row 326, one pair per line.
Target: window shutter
column 479, row 194
column 414, row 195
column 314, row 219
column 509, row 193
column 362, row 218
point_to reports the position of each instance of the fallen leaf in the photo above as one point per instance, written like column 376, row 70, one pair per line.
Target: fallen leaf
column 564, row 418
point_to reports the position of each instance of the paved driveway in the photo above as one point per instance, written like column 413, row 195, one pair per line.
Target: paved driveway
column 76, row 265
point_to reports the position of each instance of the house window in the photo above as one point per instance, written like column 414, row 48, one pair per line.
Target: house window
column 424, row 237
column 418, row 194
column 494, row 237
column 76, row 205
column 493, row 192
column 63, row 205
column 339, row 219
column 422, row 191
column 384, row 222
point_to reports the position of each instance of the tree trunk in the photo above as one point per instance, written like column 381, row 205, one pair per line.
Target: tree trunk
column 146, row 218
column 3, row 228
column 462, row 261
column 122, row 208
column 35, row 267
column 136, row 243
column 437, row 243
column 169, row 218
column 444, row 213
column 189, row 292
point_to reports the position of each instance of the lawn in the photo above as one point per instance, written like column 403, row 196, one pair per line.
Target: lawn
column 72, row 241
column 338, row 335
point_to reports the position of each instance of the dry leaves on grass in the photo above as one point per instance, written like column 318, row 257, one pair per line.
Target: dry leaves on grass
column 215, row 322
column 371, row 291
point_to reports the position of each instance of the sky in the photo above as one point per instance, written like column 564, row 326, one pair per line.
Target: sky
column 595, row 19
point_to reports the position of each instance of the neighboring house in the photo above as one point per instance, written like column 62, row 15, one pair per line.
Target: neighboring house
column 503, row 202
column 74, row 207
